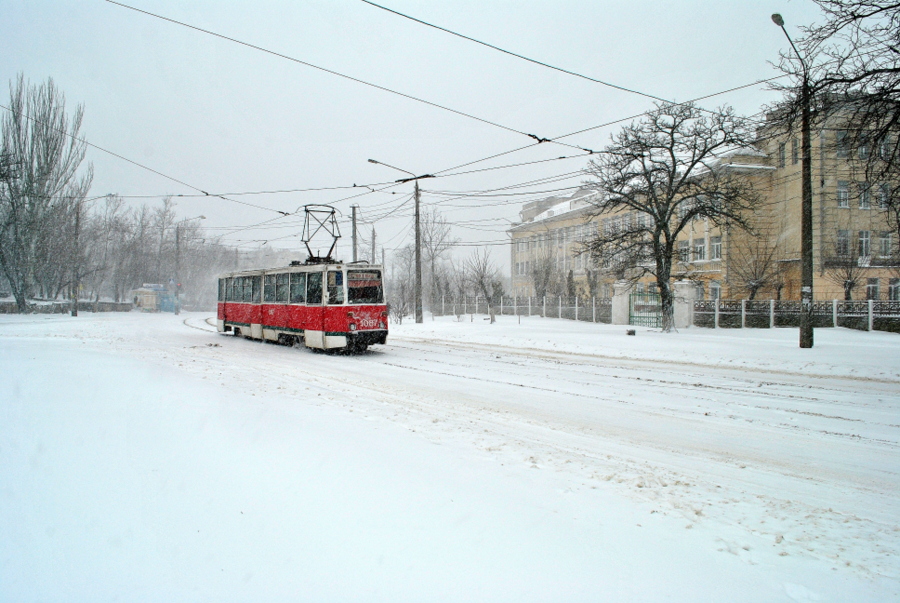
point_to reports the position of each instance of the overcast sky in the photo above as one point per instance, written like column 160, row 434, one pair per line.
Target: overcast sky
column 226, row 118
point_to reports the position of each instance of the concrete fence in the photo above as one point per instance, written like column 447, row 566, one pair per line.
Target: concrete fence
column 62, row 307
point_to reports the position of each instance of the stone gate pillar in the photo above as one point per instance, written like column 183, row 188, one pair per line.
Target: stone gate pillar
column 621, row 291
column 685, row 294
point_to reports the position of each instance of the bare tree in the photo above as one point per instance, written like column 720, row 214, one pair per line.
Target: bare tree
column 43, row 148
column 543, row 272
column 483, row 275
column 402, row 286
column 753, row 262
column 845, row 264
column 659, row 175
column 436, row 241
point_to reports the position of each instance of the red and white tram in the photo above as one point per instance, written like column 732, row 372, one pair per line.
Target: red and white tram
column 325, row 305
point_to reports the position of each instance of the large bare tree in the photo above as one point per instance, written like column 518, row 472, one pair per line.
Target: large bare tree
column 656, row 177
column 43, row 151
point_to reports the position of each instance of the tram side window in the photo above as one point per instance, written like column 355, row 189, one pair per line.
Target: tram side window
column 364, row 287
column 221, row 289
column 335, row 287
column 281, row 288
column 235, row 291
column 257, row 286
column 248, row 289
column 269, row 288
column 314, row 288
column 298, row 288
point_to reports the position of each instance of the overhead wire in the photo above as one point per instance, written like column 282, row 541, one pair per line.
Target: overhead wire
column 140, row 165
column 357, row 80
column 528, row 59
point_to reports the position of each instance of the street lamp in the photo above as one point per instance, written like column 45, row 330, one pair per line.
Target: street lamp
column 178, row 257
column 418, row 291
column 806, row 218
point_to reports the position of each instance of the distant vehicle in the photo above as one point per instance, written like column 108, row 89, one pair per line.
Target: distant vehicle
column 322, row 303
column 151, row 297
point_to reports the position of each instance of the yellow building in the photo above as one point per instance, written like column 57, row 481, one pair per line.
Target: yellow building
column 854, row 246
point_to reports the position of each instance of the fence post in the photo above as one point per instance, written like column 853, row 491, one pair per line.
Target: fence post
column 442, row 305
column 594, row 308
column 716, row 323
column 515, row 305
column 834, row 313
column 576, row 307
column 771, row 313
column 529, row 305
column 559, row 313
column 545, row 307
column 871, row 308
column 743, row 313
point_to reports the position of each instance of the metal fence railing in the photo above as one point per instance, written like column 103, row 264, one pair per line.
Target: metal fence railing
column 587, row 309
column 866, row 315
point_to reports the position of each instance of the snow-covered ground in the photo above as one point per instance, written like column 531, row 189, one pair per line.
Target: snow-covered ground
column 146, row 457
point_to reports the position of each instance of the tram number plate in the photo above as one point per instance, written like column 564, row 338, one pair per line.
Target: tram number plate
column 368, row 323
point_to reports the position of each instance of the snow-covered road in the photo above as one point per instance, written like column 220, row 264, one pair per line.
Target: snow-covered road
column 590, row 465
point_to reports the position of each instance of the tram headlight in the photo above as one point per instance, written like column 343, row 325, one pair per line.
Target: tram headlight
column 352, row 327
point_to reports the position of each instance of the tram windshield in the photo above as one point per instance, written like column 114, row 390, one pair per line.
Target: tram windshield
column 364, row 287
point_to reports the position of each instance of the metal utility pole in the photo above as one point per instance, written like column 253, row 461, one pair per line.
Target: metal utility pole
column 806, row 218
column 373, row 246
column 418, row 286
column 353, row 207
column 177, row 266
column 75, row 266
column 418, row 260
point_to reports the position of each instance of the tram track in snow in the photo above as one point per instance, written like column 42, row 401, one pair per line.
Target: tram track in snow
column 582, row 358
column 694, row 476
column 698, row 386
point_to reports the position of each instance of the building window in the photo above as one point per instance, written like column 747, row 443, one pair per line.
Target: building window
column 872, row 288
column 843, row 150
column 699, row 250
column 885, row 246
column 843, row 193
column 865, row 243
column 894, row 289
column 865, row 196
column 884, row 149
column 842, row 247
column 715, row 290
column 781, row 154
column 715, row 248
column 653, row 289
column 863, row 150
column 884, row 195
column 795, row 151
column 683, row 251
